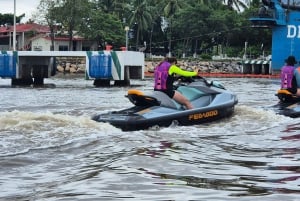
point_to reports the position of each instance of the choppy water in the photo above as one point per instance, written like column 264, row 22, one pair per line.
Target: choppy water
column 51, row 150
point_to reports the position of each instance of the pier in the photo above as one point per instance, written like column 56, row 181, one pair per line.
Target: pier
column 32, row 67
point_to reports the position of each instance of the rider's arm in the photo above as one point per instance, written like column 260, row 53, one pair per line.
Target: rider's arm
column 175, row 69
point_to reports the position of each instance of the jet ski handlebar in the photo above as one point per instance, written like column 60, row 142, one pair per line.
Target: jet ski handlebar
column 187, row 80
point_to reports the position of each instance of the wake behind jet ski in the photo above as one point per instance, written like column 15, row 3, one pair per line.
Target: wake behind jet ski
column 211, row 101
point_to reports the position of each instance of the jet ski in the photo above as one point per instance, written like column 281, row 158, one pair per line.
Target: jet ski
column 289, row 104
column 210, row 99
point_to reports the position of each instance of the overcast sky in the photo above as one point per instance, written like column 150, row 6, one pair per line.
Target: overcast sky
column 22, row 6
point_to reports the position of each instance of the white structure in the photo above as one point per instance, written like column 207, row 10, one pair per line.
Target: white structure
column 43, row 43
column 24, row 66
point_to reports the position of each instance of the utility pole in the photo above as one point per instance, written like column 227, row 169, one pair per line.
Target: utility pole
column 14, row 34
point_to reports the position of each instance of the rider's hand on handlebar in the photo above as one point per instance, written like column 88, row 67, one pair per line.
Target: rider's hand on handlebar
column 197, row 70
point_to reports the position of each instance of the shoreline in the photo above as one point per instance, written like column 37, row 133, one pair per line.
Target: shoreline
column 148, row 74
column 231, row 69
column 228, row 75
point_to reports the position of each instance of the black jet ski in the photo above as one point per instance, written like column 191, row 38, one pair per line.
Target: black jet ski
column 210, row 99
column 289, row 104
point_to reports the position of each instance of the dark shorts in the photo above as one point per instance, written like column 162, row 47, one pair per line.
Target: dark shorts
column 170, row 93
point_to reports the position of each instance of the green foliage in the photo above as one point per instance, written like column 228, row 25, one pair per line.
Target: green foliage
column 8, row 19
column 141, row 18
column 234, row 51
column 104, row 28
column 205, row 56
column 187, row 26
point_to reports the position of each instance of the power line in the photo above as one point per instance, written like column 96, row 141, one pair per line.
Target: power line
column 202, row 35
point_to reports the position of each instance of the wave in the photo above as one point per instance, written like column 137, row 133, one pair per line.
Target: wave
column 22, row 131
column 245, row 120
column 30, row 120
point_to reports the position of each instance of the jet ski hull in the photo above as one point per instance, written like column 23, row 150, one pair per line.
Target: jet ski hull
column 139, row 118
column 211, row 102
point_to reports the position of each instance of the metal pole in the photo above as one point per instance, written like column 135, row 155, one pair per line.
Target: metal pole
column 126, row 37
column 14, row 34
column 245, row 51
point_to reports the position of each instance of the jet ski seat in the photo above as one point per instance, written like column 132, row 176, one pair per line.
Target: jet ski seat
column 154, row 98
column 190, row 93
column 165, row 100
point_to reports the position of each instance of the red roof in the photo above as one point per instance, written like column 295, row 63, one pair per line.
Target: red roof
column 26, row 28
column 66, row 38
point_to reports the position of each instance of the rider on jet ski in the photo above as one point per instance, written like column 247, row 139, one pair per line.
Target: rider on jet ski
column 164, row 75
column 289, row 76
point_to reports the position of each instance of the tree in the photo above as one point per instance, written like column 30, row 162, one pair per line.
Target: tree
column 116, row 7
column 170, row 9
column 103, row 27
column 156, row 10
column 8, row 19
column 70, row 14
column 141, row 17
column 47, row 14
column 200, row 24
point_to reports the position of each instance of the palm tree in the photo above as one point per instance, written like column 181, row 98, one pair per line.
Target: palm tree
column 113, row 6
column 170, row 8
column 141, row 17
